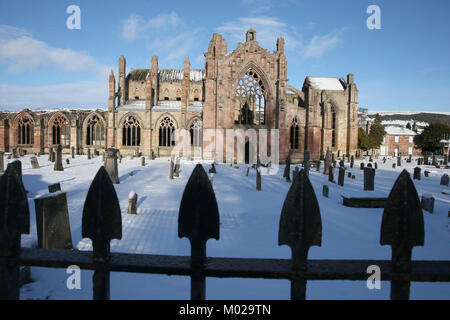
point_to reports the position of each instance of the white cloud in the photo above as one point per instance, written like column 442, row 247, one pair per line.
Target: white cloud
column 70, row 95
column 165, row 34
column 321, row 44
column 268, row 29
column 21, row 52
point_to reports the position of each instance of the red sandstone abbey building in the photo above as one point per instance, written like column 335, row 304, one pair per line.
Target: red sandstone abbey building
column 242, row 89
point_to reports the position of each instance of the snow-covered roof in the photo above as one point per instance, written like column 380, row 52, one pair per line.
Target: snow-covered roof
column 399, row 131
column 167, row 75
column 163, row 106
column 324, row 83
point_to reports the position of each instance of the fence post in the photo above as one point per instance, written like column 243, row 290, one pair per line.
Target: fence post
column 402, row 228
column 300, row 228
column 198, row 220
column 14, row 221
column 101, row 222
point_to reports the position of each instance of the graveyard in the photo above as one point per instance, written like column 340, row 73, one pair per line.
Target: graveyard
column 250, row 204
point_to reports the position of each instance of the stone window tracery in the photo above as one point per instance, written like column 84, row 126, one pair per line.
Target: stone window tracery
column 294, row 135
column 131, row 132
column 95, row 132
column 196, row 132
column 24, row 130
column 60, row 131
column 250, row 92
column 166, row 132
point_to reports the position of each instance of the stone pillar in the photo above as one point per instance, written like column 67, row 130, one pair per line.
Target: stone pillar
column 111, row 165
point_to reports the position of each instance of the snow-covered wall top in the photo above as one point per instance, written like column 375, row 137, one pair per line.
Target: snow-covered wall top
column 324, row 83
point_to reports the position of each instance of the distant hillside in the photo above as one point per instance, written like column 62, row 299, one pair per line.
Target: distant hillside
column 443, row 118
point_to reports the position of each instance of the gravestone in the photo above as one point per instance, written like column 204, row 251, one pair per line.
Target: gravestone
column 171, row 168
column 370, row 159
column 434, row 162
column 52, row 222
column 426, row 173
column 213, row 168
column 334, row 163
column 177, row 167
column 306, row 157
column 399, row 161
column 342, row 164
column 417, row 173
column 353, row 177
column 331, row 174
column 341, row 176
column 410, row 158
column 9, row 156
column 21, row 152
column 325, row 191
column 52, row 156
column 143, row 161
column 14, row 153
column 58, row 160
column 89, row 154
column 318, row 163
column 67, row 161
column 248, row 170
column 54, row 187
column 17, row 165
column 369, row 179
column 369, row 165
column 376, row 165
column 34, row 163
column 361, row 166
column 425, row 160
column 393, row 166
column 428, row 203
column 120, row 158
column 287, row 169
column 419, row 161
column 445, row 159
column 295, row 173
column 349, row 175
column 73, row 152
column 2, row 161
column 132, row 202
column 137, row 153
column 444, row 180
column 50, row 151
column 211, row 178
column 258, row 179
column 352, row 161
column 111, row 164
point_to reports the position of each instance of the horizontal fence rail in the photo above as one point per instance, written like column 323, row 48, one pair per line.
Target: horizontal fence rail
column 199, row 220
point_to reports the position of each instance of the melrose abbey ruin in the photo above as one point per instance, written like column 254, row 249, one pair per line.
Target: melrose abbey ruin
column 243, row 89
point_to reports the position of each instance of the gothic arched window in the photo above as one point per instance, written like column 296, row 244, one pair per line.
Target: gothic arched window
column 60, row 130
column 166, row 132
column 95, row 132
column 250, row 91
column 196, row 133
column 333, row 127
column 131, row 132
column 24, row 130
column 294, row 134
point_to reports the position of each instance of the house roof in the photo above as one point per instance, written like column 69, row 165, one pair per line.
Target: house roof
column 324, row 83
column 399, row 131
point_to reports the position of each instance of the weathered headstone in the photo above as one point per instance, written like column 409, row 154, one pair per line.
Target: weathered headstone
column 177, row 167
column 171, row 168
column 369, row 179
column 132, row 202
column 54, row 187
column 67, row 161
column 341, row 176
column 213, row 168
column 89, row 154
column 376, row 165
column 434, row 162
column 73, row 152
column 342, row 164
column 417, row 173
column 410, row 158
column 318, row 163
column 287, row 169
column 425, row 160
column 353, row 177
column 52, row 156
column 361, row 166
column 325, row 191
column 14, row 153
column 427, row 203
column 111, row 164
column 21, row 152
column 50, row 151
column 258, row 179
column 143, row 161
column 352, row 161
column 17, row 165
column 2, row 161
column 426, row 173
column 52, row 222
column 445, row 159
column 399, row 161
column 248, row 170
column 349, row 174
column 58, row 160
column 120, row 158
column 444, row 180
column 34, row 163
column 393, row 166
column 419, row 161
column 331, row 174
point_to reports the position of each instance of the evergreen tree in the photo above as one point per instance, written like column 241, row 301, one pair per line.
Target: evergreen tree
column 431, row 136
column 363, row 140
column 377, row 133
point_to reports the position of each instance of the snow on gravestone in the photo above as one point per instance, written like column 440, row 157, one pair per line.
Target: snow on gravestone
column 111, row 165
column 34, row 163
column 444, row 180
column 132, row 202
column 52, row 221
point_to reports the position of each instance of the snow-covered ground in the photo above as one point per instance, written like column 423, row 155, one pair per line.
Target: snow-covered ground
column 249, row 228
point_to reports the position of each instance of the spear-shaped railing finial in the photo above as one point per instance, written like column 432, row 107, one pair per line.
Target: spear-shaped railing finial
column 402, row 228
column 101, row 222
column 198, row 220
column 300, row 227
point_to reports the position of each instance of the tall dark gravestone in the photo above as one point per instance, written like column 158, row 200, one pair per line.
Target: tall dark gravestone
column 341, row 176
column 417, row 173
column 2, row 161
column 58, row 159
column 111, row 165
column 369, row 179
column 328, row 161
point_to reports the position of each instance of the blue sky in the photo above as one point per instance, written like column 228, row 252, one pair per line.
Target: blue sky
column 403, row 66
